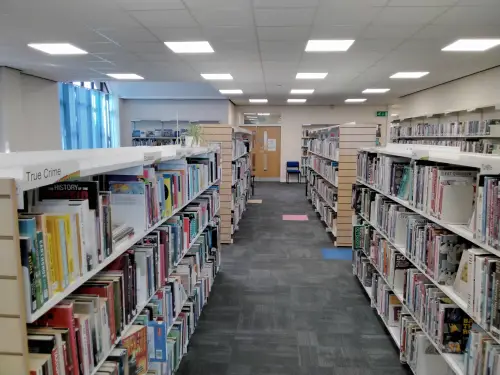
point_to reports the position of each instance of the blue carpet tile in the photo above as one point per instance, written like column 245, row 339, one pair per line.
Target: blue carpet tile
column 342, row 253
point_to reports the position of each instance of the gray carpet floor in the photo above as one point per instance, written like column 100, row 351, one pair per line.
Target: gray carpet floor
column 278, row 308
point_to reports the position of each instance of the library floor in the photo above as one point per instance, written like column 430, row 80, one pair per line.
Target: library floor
column 279, row 308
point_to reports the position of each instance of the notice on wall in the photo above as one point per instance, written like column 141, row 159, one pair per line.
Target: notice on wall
column 271, row 144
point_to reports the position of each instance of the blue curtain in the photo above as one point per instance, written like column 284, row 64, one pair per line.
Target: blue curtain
column 89, row 118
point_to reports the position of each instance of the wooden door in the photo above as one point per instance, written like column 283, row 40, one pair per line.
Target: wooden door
column 266, row 151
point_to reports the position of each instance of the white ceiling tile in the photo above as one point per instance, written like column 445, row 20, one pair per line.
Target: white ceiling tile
column 222, row 17
column 345, row 15
column 164, row 18
column 379, row 45
column 222, row 4
column 132, row 34
column 230, row 33
column 407, row 15
column 470, row 16
column 336, row 32
column 477, row 2
column 150, row 4
column 285, row 3
column 375, row 3
column 421, row 3
column 283, row 33
column 458, row 31
column 177, row 33
column 144, row 47
column 390, row 31
column 284, row 17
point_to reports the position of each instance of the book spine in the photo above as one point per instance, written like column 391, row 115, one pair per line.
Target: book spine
column 29, row 277
column 43, row 266
column 64, row 252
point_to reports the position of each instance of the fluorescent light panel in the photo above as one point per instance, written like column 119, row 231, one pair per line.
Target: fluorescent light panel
column 125, row 76
column 408, row 75
column 375, row 91
column 296, row 100
column 257, row 100
column 329, row 45
column 311, row 75
column 263, row 114
column 472, row 45
column 190, row 47
column 217, row 76
column 360, row 100
column 58, row 48
column 301, row 91
column 228, row 92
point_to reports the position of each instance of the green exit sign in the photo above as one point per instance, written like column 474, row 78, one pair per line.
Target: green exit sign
column 381, row 113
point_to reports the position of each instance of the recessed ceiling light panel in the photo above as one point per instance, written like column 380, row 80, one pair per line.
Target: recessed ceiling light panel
column 190, row 47
column 125, row 76
column 58, row 48
column 217, row 76
column 472, row 45
column 311, row 75
column 257, row 100
column 359, row 100
column 301, row 91
column 408, row 75
column 263, row 114
column 375, row 91
column 329, row 45
column 296, row 100
column 231, row 92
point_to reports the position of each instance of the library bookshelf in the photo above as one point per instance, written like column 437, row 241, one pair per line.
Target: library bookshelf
column 332, row 162
column 395, row 212
column 23, row 175
column 236, row 173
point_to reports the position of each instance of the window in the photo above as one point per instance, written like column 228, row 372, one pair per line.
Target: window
column 89, row 118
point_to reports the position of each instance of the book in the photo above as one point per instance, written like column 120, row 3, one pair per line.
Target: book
column 135, row 342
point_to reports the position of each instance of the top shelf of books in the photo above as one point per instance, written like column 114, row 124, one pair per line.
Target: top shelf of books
column 32, row 170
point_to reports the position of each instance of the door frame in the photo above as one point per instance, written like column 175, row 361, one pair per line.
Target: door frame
column 276, row 179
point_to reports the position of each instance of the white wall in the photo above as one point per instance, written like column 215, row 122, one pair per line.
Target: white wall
column 478, row 90
column 191, row 110
column 293, row 117
column 29, row 113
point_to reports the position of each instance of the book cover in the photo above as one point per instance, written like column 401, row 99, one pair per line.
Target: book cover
column 136, row 343
column 27, row 228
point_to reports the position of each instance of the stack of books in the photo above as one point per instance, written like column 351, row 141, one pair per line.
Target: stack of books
column 326, row 168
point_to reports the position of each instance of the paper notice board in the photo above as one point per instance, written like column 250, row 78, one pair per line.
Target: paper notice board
column 271, row 144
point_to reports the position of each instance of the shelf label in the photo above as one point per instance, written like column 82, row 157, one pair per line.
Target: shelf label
column 41, row 175
column 486, row 168
column 152, row 157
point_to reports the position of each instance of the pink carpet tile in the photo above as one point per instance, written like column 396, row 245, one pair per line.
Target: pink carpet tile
column 295, row 218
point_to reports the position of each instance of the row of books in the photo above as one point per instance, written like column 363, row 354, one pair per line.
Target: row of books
column 240, row 169
column 72, row 227
column 415, row 347
column 328, row 192
column 326, row 212
column 326, row 168
column 445, row 259
column 137, row 303
column 455, row 128
column 430, row 188
column 481, row 146
column 240, row 148
column 329, row 147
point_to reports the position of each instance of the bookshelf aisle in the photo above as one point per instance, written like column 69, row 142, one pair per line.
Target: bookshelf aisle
column 108, row 257
column 331, row 173
column 427, row 242
column 235, row 143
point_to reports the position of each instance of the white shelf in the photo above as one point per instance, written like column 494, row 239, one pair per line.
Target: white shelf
column 323, row 156
column 241, row 156
column 121, row 249
column 445, row 136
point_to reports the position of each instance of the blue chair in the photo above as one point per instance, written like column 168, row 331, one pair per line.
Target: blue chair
column 293, row 167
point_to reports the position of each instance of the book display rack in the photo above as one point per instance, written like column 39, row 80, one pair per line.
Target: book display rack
column 332, row 171
column 426, row 249
column 236, row 163
column 109, row 256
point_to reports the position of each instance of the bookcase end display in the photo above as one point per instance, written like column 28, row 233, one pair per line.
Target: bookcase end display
column 426, row 247
column 108, row 257
column 332, row 171
column 236, row 163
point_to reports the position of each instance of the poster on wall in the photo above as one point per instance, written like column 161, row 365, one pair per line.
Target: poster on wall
column 271, row 144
